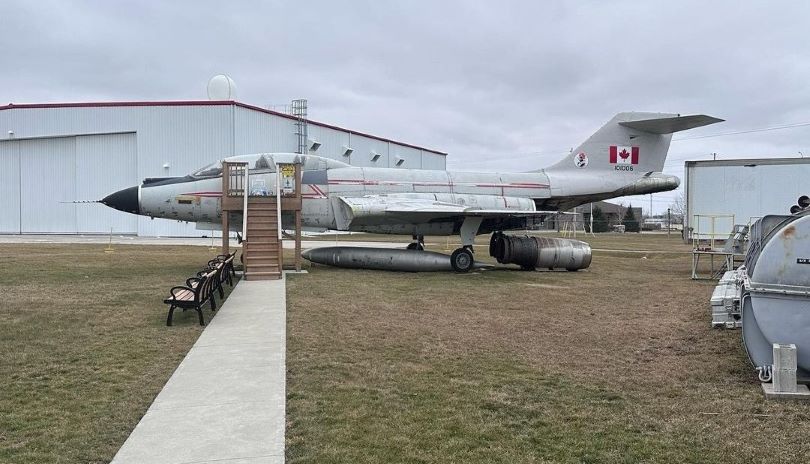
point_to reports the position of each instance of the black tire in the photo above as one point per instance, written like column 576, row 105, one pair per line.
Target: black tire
column 493, row 243
column 415, row 246
column 462, row 260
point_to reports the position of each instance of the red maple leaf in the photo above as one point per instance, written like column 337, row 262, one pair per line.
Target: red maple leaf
column 624, row 153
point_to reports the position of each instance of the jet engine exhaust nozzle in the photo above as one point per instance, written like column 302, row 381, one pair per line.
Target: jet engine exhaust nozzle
column 540, row 252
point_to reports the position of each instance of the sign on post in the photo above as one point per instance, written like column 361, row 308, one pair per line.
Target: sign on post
column 287, row 178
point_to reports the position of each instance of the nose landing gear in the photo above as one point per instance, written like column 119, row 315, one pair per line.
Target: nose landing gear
column 417, row 244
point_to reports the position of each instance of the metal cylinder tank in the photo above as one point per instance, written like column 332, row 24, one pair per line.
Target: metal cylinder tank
column 383, row 259
column 540, row 252
column 775, row 296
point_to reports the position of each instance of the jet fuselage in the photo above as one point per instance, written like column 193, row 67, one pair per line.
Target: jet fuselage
column 198, row 199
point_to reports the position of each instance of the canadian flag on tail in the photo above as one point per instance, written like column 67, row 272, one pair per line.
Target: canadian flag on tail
column 623, row 155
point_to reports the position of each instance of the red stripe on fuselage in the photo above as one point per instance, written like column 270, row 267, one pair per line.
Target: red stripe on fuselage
column 204, row 194
column 436, row 184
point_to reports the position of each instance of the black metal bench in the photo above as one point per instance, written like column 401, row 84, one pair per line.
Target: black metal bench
column 223, row 265
column 230, row 271
column 197, row 291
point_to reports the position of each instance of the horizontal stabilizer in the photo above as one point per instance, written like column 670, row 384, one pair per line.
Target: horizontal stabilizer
column 670, row 125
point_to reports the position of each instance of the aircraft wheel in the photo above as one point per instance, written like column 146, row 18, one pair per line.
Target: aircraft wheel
column 415, row 246
column 462, row 260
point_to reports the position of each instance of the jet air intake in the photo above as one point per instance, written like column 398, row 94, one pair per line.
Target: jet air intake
column 540, row 252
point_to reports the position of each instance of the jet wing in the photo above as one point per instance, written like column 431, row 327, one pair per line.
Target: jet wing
column 382, row 209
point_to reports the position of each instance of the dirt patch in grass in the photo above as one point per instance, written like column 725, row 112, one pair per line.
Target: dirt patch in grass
column 616, row 363
column 84, row 345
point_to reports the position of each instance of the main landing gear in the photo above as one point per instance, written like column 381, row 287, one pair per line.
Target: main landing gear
column 418, row 243
column 462, row 258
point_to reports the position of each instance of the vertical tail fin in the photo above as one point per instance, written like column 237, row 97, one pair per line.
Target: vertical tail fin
column 630, row 142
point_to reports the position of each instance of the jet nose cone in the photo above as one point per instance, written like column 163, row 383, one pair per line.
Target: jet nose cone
column 124, row 200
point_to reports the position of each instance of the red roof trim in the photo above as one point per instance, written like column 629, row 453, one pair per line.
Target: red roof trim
column 12, row 106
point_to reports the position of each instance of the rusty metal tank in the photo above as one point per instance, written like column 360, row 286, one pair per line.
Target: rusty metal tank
column 775, row 296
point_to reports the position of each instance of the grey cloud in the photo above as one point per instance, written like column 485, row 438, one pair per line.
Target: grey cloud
column 499, row 85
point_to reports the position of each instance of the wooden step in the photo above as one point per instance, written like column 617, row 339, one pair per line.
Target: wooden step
column 263, row 236
column 262, row 217
column 262, row 207
column 263, row 224
column 259, row 258
column 261, row 248
column 268, row 232
column 262, row 220
column 258, row 247
column 262, row 268
column 256, row 216
column 261, row 229
column 263, row 276
column 264, row 231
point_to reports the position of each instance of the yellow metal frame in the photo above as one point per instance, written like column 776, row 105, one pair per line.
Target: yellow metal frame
column 704, row 244
column 699, row 238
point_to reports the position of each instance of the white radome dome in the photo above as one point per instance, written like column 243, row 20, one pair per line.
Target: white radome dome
column 221, row 87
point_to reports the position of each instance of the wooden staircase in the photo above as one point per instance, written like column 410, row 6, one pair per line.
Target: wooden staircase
column 262, row 247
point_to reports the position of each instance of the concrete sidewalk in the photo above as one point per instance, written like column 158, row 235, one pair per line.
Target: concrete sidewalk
column 225, row 403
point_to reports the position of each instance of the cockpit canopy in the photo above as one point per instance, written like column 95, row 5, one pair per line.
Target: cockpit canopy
column 266, row 162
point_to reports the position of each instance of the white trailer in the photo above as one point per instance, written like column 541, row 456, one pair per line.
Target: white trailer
column 721, row 193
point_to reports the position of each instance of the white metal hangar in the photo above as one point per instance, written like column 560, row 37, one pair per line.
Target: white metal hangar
column 52, row 154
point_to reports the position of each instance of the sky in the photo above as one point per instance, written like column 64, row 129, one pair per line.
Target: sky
column 500, row 86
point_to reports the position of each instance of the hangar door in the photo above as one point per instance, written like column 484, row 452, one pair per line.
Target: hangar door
column 9, row 187
column 54, row 171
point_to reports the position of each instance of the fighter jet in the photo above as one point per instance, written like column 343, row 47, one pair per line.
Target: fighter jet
column 624, row 157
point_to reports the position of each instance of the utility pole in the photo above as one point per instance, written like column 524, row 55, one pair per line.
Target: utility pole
column 669, row 223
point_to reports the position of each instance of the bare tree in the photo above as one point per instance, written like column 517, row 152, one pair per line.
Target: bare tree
column 678, row 208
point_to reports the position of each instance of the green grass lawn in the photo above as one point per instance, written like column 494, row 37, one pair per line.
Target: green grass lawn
column 614, row 364
column 84, row 345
